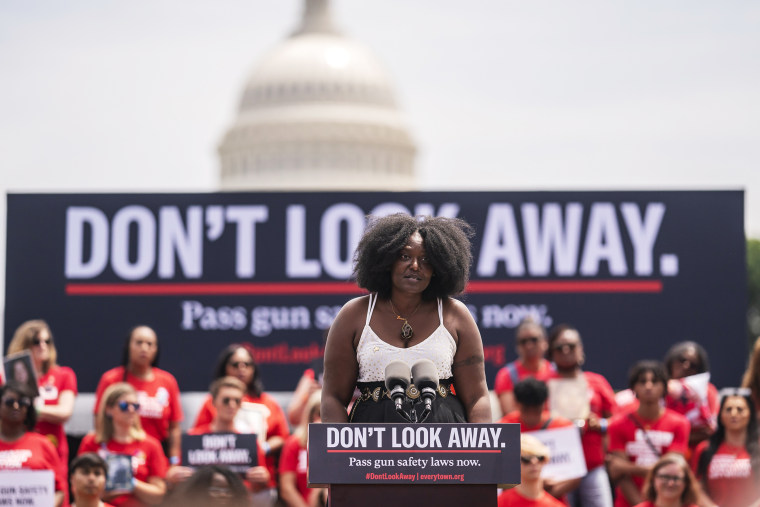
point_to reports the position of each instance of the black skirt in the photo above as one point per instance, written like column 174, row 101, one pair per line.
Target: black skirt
column 374, row 405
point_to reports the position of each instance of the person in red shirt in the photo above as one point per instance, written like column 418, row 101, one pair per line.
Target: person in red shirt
column 227, row 395
column 294, row 460
column 119, row 432
column 157, row 390
column 20, row 446
column 670, row 483
column 259, row 412
column 728, row 464
column 57, row 384
column 530, row 492
column 530, row 344
column 638, row 439
column 88, row 480
column 566, row 350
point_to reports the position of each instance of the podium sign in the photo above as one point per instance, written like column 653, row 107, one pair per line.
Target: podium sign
column 414, row 454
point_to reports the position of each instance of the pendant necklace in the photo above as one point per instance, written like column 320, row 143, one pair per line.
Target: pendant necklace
column 406, row 329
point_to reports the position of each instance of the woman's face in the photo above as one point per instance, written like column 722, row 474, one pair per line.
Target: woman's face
column 143, row 346
column 530, row 342
column 20, row 373
column 567, row 351
column 411, row 271
column 14, row 407
column 669, row 482
column 685, row 364
column 240, row 366
column 40, row 347
column 124, row 412
column 735, row 413
column 531, row 466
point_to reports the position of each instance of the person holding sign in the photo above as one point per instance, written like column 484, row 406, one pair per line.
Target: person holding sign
column 227, row 395
column 57, row 384
column 88, row 480
column 412, row 268
column 728, row 464
column 119, row 434
column 571, row 384
column 670, row 483
column 530, row 492
column 20, row 446
column 639, row 438
column 157, row 390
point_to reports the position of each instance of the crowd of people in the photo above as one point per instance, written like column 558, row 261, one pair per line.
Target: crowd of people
column 670, row 439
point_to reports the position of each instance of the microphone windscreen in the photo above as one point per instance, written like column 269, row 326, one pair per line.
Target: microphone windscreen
column 425, row 374
column 397, row 373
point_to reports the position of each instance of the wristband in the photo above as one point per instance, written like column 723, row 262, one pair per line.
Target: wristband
column 603, row 425
column 174, row 460
column 266, row 447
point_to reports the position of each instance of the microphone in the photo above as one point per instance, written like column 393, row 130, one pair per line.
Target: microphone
column 397, row 378
column 425, row 376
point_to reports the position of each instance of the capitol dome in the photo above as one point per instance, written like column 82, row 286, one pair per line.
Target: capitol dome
column 318, row 112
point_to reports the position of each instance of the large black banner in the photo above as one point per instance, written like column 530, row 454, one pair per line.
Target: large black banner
column 634, row 271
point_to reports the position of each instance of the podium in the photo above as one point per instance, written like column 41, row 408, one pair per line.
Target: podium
column 411, row 465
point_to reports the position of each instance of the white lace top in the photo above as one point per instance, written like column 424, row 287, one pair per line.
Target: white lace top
column 373, row 354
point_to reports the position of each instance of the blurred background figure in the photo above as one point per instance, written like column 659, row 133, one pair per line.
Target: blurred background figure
column 259, row 413
column 530, row 492
column 310, row 381
column 294, row 464
column 57, row 384
column 157, row 390
column 88, row 480
column 20, row 446
column 690, row 392
column 566, row 351
column 728, row 464
column 670, row 483
column 211, row 486
column 751, row 378
column 531, row 346
column 119, row 432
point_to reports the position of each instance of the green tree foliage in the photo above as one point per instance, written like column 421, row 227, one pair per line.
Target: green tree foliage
column 753, row 287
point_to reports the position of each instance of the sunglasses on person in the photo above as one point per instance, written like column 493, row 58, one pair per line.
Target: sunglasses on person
column 125, row 406
column 528, row 339
column 561, row 346
column 670, row 478
column 234, row 401
column 241, row 364
column 21, row 402
column 37, row 341
column 532, row 459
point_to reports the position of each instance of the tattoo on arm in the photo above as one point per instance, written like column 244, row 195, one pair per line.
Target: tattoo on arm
column 470, row 361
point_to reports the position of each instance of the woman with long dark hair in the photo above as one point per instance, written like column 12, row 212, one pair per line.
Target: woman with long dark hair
column 728, row 464
column 157, row 390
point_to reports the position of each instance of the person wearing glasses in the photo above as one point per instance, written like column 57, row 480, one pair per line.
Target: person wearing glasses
column 20, row 446
column 531, row 346
column 259, row 413
column 210, row 486
column 157, row 390
column 566, row 351
column 728, row 464
column 227, row 395
column 639, row 438
column 119, row 432
column 670, row 483
column 57, row 384
column 530, row 492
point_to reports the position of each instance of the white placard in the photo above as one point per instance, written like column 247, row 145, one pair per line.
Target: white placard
column 35, row 488
column 567, row 459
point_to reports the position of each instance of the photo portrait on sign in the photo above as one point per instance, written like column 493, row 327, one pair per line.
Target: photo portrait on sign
column 18, row 367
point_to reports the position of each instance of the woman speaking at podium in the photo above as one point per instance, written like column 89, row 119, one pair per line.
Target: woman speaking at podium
column 412, row 267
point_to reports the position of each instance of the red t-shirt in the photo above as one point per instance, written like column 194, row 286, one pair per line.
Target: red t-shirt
column 650, row 504
column 601, row 401
column 33, row 452
column 504, row 382
column 159, row 399
column 556, row 422
column 730, row 482
column 669, row 433
column 148, row 460
column 512, row 498
column 294, row 458
column 52, row 384
column 262, row 416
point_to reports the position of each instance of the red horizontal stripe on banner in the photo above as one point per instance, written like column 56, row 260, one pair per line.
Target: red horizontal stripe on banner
column 447, row 451
column 301, row 288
